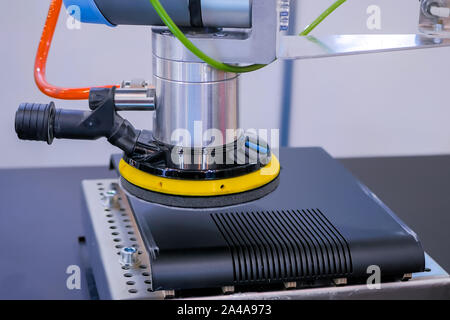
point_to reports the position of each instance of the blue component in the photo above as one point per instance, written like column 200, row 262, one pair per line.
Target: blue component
column 256, row 147
column 88, row 12
column 130, row 249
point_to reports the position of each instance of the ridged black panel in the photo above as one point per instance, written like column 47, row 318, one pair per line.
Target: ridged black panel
column 283, row 245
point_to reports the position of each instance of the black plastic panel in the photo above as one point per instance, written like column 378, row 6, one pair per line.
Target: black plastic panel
column 283, row 245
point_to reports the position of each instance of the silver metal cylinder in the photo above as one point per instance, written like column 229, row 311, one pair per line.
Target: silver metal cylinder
column 135, row 95
column 214, row 13
column 194, row 101
column 129, row 256
column 110, row 199
column 221, row 13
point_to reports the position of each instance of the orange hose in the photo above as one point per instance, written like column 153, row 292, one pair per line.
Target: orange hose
column 41, row 61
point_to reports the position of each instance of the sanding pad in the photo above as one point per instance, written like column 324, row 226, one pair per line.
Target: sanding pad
column 199, row 202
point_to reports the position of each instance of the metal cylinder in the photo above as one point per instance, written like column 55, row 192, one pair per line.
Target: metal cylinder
column 135, row 95
column 185, row 13
column 223, row 13
column 194, row 102
column 110, row 199
column 129, row 256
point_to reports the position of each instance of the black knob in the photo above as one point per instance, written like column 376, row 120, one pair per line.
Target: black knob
column 35, row 121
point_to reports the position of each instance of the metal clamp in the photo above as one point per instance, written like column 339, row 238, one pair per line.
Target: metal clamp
column 135, row 95
column 232, row 45
column 435, row 32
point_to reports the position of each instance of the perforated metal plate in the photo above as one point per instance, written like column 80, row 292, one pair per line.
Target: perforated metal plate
column 109, row 230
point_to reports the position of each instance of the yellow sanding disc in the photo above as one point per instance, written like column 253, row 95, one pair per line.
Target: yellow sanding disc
column 201, row 188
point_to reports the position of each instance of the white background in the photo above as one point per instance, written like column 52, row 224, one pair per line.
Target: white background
column 371, row 105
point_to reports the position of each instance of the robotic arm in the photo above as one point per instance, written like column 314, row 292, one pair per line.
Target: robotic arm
column 193, row 92
column 434, row 26
column 185, row 13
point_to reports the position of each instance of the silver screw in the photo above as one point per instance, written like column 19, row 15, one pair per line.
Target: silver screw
column 340, row 281
column 110, row 199
column 228, row 289
column 129, row 256
column 290, row 285
column 284, row 9
column 438, row 27
column 220, row 34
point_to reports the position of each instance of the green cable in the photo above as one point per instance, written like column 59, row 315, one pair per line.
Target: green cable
column 217, row 64
column 189, row 45
column 322, row 17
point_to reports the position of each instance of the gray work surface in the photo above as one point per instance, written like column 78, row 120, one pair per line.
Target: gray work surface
column 40, row 219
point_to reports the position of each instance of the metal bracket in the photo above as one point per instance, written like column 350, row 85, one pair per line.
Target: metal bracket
column 435, row 33
column 246, row 46
column 263, row 43
column 298, row 48
column 434, row 25
column 135, row 95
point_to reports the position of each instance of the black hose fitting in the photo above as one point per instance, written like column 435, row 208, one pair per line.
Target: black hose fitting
column 40, row 122
column 35, row 122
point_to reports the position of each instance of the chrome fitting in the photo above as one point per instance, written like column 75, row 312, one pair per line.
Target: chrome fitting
column 129, row 256
column 110, row 199
column 135, row 95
